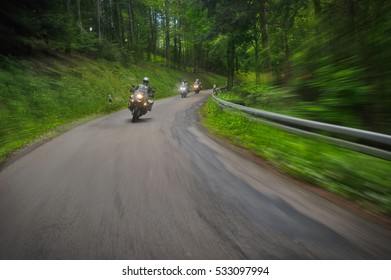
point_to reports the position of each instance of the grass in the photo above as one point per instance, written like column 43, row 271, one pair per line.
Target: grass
column 43, row 96
column 328, row 108
column 40, row 96
column 358, row 177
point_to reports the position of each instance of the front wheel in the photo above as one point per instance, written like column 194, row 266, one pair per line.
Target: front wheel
column 136, row 112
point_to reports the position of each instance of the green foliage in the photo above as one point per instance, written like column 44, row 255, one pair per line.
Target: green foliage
column 218, row 60
column 338, row 70
column 42, row 94
column 264, row 97
column 339, row 91
column 333, row 57
column 359, row 177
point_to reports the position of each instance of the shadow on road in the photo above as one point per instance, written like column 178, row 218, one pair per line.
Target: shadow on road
column 139, row 121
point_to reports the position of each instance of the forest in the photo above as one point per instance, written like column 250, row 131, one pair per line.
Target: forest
column 332, row 55
column 324, row 60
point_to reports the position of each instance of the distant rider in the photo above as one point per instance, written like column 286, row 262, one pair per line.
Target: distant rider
column 198, row 82
column 184, row 84
column 214, row 89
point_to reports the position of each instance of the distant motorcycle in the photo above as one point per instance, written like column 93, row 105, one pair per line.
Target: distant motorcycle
column 183, row 90
column 215, row 89
column 139, row 103
column 197, row 88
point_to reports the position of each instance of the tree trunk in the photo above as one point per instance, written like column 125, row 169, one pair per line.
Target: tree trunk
column 175, row 47
column 207, row 60
column 79, row 23
column 257, row 70
column 131, row 39
column 230, row 62
column 67, row 44
column 265, row 36
column 99, row 19
column 155, row 34
column 180, row 53
column 109, row 21
column 118, row 24
column 150, row 35
column 237, row 64
column 256, row 50
column 195, row 58
column 167, row 31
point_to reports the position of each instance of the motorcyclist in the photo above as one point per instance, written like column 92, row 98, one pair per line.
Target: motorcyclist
column 198, row 82
column 150, row 91
column 214, row 89
column 183, row 89
column 184, row 84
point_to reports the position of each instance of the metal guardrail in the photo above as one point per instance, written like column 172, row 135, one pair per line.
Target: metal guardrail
column 375, row 144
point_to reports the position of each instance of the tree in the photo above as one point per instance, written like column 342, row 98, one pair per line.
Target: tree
column 167, row 30
column 230, row 18
column 265, row 35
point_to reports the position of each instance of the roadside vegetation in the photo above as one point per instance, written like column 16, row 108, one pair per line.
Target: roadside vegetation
column 44, row 95
column 319, row 60
column 358, row 177
column 286, row 100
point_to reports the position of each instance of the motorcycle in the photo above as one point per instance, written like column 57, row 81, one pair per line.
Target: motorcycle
column 139, row 104
column 183, row 90
column 197, row 88
column 215, row 89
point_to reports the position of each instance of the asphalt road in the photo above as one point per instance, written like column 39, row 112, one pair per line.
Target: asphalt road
column 161, row 188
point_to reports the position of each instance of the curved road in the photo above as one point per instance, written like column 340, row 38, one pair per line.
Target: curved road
column 162, row 189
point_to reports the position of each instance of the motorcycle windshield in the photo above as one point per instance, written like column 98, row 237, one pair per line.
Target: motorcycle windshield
column 143, row 89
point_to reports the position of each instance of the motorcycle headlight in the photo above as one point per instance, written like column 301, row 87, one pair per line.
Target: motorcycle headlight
column 139, row 97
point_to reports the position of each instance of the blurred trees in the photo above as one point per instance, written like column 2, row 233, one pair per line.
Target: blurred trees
column 129, row 30
column 230, row 21
column 334, row 54
column 341, row 69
